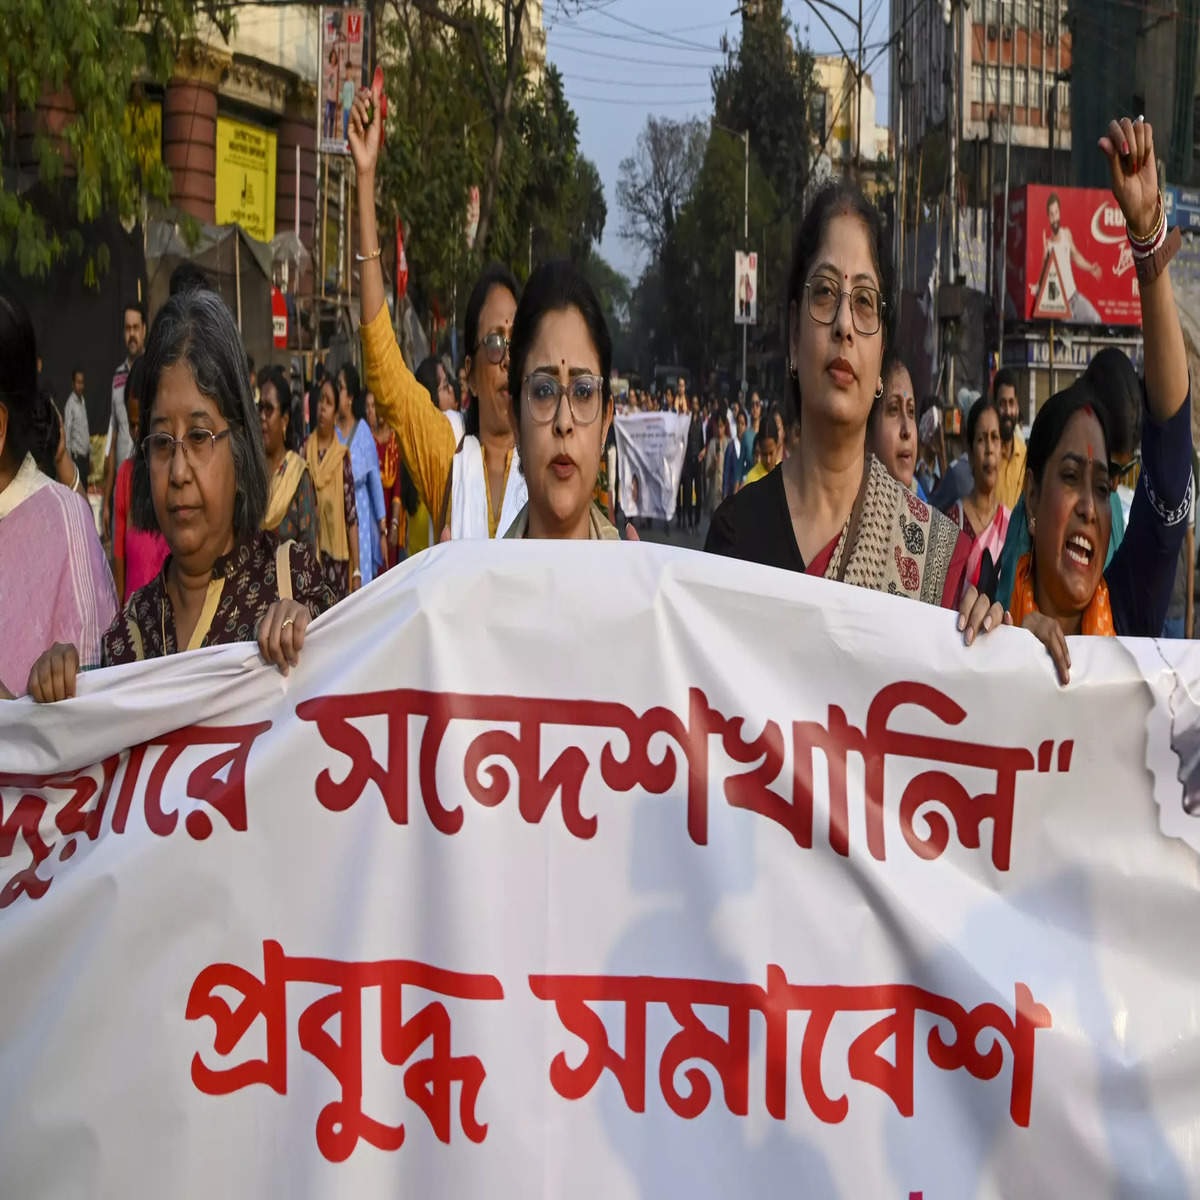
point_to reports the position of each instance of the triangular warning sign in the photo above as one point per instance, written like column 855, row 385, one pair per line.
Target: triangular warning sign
column 1052, row 302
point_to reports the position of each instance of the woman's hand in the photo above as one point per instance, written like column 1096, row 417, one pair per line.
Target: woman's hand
column 1129, row 147
column 978, row 614
column 1049, row 633
column 366, row 123
column 281, row 633
column 52, row 677
column 631, row 533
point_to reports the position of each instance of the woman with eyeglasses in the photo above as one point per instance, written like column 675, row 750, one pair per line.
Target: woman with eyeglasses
column 337, row 511
column 292, row 502
column 1062, row 586
column 200, row 478
column 473, row 486
column 832, row 508
column 559, row 371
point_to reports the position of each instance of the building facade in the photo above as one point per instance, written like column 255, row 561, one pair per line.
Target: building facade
column 1003, row 67
column 835, row 115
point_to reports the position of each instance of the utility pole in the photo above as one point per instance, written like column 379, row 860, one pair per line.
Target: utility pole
column 746, row 233
column 744, row 134
column 858, row 76
column 951, row 12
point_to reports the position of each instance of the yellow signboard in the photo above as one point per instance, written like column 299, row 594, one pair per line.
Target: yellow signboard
column 246, row 177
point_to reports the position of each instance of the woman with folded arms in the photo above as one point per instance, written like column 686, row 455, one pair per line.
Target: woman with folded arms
column 200, row 477
column 472, row 487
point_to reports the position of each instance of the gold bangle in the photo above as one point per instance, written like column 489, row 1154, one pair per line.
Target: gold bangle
column 1160, row 220
column 367, row 257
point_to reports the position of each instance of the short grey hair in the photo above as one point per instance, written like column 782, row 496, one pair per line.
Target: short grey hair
column 196, row 327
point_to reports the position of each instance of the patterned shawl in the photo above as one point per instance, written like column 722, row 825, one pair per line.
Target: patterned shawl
column 893, row 541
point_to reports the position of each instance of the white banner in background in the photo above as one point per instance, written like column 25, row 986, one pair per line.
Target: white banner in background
column 606, row 870
column 650, row 451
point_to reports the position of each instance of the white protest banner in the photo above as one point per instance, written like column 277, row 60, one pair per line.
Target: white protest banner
column 606, row 870
column 650, row 451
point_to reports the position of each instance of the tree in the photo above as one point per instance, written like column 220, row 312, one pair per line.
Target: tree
column 765, row 85
column 501, row 76
column 549, row 198
column 656, row 181
column 87, row 55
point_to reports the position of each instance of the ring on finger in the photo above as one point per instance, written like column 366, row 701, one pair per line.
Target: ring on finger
column 289, row 621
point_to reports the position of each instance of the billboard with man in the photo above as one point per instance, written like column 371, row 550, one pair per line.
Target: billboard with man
column 1068, row 258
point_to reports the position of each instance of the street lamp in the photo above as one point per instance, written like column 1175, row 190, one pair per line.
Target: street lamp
column 744, row 134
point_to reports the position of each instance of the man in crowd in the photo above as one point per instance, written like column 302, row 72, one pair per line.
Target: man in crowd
column 78, row 435
column 119, row 444
column 692, row 485
column 1012, row 442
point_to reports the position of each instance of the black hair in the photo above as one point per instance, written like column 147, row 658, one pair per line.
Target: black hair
column 136, row 383
column 358, row 398
column 1052, row 199
column 32, row 428
column 427, row 376
column 835, row 199
column 553, row 287
column 277, row 378
column 1052, row 420
column 75, row 371
column 135, row 306
column 1119, row 391
column 1005, row 377
column 975, row 414
column 494, row 275
column 187, row 277
column 196, row 327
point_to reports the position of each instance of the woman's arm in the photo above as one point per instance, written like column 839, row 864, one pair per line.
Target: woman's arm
column 1129, row 147
column 426, row 439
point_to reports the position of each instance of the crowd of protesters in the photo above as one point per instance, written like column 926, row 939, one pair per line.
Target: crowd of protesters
column 240, row 505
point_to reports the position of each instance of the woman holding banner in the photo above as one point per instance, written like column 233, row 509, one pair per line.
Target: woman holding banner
column 473, row 488
column 200, row 477
column 559, row 370
column 832, row 509
column 1062, row 586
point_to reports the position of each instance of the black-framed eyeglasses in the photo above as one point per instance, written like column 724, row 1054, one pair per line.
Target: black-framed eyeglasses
column 198, row 446
column 495, row 346
column 825, row 299
column 542, row 394
column 266, row 408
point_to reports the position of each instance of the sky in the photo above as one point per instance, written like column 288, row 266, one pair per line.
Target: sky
column 624, row 60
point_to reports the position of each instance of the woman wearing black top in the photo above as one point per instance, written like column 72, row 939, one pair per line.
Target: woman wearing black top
column 831, row 509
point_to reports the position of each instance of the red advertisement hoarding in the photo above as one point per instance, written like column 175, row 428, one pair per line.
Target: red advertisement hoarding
column 1068, row 258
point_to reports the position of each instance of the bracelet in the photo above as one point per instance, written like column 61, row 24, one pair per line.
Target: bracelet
column 1149, row 251
column 1140, row 242
column 368, row 257
column 355, row 574
column 1150, row 267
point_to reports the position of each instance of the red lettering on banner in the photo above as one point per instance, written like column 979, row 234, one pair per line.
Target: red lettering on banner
column 84, row 811
column 937, row 788
column 932, row 798
column 729, row 1053
column 342, row 1124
